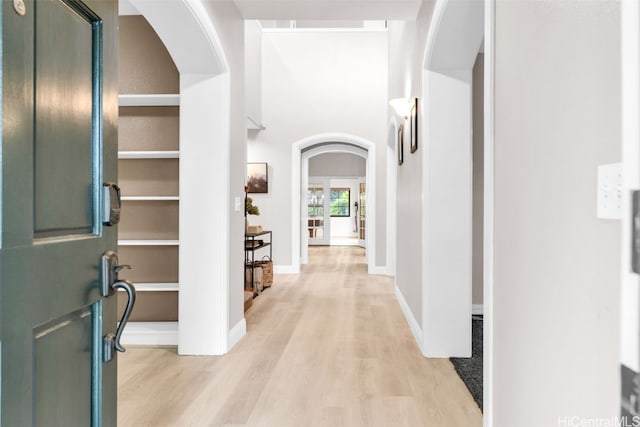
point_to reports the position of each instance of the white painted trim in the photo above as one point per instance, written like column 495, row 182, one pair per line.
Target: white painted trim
column 150, row 334
column 324, row 30
column 488, row 232
column 630, row 292
column 237, row 333
column 148, row 100
column 286, row 269
column 148, row 242
column 296, row 188
column 150, row 198
column 477, row 309
column 380, row 270
column 336, row 148
column 126, row 8
column 185, row 28
column 434, row 27
column 408, row 315
column 132, row 155
column 155, row 287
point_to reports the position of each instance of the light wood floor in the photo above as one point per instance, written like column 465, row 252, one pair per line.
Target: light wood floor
column 329, row 347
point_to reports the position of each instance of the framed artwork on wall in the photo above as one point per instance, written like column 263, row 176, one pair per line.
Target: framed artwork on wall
column 400, row 145
column 413, row 118
column 257, row 178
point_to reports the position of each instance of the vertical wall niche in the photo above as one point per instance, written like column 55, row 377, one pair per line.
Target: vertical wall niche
column 149, row 161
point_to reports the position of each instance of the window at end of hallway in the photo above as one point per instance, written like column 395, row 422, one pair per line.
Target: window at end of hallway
column 340, row 202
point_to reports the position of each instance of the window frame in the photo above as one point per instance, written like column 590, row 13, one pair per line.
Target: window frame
column 341, row 189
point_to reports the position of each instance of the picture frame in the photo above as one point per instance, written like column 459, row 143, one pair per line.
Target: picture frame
column 257, row 178
column 400, row 145
column 413, row 118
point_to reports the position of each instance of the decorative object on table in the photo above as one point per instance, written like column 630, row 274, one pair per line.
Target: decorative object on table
column 400, row 145
column 257, row 178
column 413, row 117
column 250, row 209
column 267, row 271
column 253, row 229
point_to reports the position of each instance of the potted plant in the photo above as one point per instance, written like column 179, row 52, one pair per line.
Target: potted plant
column 249, row 209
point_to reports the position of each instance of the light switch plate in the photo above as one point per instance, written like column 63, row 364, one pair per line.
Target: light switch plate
column 238, row 204
column 610, row 191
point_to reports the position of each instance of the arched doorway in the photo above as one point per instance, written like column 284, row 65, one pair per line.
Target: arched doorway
column 307, row 155
column 185, row 28
column 338, row 143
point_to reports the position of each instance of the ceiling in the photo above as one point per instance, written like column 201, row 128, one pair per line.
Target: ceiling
column 334, row 10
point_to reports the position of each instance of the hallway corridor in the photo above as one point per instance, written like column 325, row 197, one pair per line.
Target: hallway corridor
column 328, row 347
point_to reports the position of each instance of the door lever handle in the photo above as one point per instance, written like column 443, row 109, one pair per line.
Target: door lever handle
column 111, row 342
column 118, row 268
column 131, row 293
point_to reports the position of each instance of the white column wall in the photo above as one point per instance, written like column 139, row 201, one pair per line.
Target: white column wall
column 204, row 226
column 447, row 215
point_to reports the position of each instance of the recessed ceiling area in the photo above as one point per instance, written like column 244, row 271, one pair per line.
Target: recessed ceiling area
column 326, row 24
column 334, row 10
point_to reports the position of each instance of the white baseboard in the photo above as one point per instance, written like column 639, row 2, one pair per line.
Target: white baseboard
column 151, row 334
column 477, row 309
column 411, row 320
column 290, row 269
column 379, row 270
column 286, row 269
column 236, row 334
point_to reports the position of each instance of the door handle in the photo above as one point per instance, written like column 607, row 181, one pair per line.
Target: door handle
column 131, row 294
column 110, row 267
column 111, row 342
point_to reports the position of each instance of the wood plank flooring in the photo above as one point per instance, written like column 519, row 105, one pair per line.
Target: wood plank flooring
column 329, row 347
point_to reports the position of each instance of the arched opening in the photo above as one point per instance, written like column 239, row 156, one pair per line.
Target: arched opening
column 308, row 154
column 455, row 37
column 186, row 30
column 325, row 143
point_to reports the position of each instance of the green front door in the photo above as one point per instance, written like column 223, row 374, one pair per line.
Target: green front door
column 58, row 147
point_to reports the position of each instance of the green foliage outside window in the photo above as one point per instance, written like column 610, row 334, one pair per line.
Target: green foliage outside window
column 340, row 202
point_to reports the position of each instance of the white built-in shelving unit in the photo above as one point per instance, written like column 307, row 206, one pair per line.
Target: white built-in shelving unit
column 140, row 155
column 148, row 160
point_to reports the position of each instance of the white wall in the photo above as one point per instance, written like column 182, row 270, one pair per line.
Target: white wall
column 337, row 164
column 253, row 73
column 230, row 28
column 556, row 277
column 406, row 49
column 318, row 82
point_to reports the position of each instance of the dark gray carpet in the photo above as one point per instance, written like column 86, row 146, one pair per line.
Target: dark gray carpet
column 470, row 369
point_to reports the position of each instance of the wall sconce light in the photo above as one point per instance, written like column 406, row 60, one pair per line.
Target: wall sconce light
column 402, row 106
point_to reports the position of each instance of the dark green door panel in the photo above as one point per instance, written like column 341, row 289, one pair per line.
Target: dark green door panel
column 59, row 144
column 64, row 119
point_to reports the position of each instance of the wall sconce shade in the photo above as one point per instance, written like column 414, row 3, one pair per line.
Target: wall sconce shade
column 402, row 106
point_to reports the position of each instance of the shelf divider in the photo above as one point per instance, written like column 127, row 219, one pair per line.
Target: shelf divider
column 148, row 242
column 150, row 198
column 149, row 100
column 128, row 155
column 155, row 287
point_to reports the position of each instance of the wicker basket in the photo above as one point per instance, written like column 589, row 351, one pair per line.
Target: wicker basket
column 267, row 271
column 257, row 278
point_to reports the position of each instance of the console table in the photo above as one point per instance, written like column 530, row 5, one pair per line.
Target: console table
column 253, row 243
